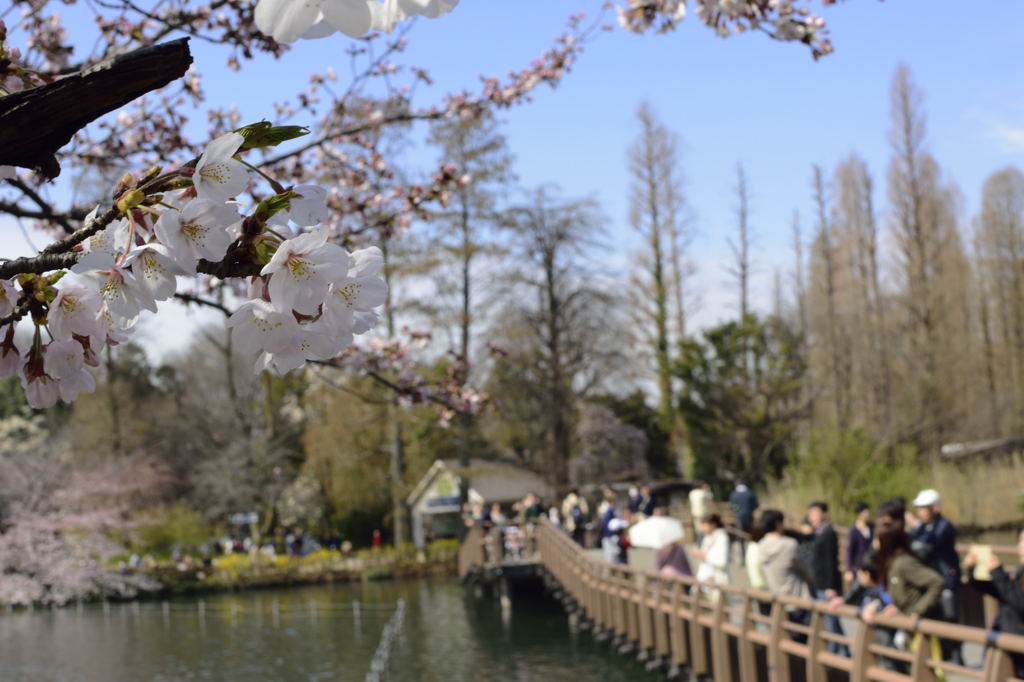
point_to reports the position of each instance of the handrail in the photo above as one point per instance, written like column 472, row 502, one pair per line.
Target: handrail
column 691, row 624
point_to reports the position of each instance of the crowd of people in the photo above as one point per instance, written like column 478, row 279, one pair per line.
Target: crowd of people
column 900, row 558
column 903, row 561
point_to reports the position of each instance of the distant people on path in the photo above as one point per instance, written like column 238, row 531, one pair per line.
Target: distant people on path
column 1009, row 590
column 609, row 535
column 646, row 505
column 497, row 516
column 376, row 540
column 783, row 572
column 713, row 552
column 752, row 559
column 532, row 508
column 744, row 505
column 671, row 561
column 576, row 513
column 859, row 542
column 828, row 582
column 701, row 499
column 634, row 498
column 933, row 539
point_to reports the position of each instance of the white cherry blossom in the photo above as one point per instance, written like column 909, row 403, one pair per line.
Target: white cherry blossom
column 288, row 20
column 360, row 291
column 259, row 326
column 303, row 269
column 307, row 209
column 65, row 362
column 10, row 358
column 116, row 329
column 63, row 358
column 199, row 230
column 70, row 386
column 218, row 175
column 124, row 295
column 75, row 310
column 8, row 297
column 155, row 269
column 41, row 391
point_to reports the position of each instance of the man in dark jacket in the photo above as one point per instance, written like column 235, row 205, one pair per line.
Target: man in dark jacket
column 744, row 503
column 933, row 539
column 828, row 582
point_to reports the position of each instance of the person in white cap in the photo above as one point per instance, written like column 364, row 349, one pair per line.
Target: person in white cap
column 933, row 539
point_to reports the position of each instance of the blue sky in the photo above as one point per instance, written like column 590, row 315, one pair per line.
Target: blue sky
column 744, row 99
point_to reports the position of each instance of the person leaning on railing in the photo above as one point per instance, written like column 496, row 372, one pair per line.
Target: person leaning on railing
column 1009, row 590
column 867, row 591
column 915, row 588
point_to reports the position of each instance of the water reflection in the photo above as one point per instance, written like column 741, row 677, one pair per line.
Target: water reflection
column 313, row 633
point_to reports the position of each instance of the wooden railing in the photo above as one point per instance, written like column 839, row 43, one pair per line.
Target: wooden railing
column 722, row 632
column 472, row 551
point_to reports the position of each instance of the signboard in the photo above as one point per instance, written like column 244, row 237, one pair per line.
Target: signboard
column 445, row 501
column 242, row 518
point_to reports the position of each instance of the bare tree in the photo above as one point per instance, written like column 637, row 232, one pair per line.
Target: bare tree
column 999, row 248
column 559, row 328
column 932, row 269
column 743, row 263
column 656, row 212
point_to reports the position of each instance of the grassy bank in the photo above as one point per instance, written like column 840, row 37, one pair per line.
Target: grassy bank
column 245, row 571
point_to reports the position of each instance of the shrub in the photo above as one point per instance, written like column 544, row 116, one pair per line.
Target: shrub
column 176, row 527
column 843, row 468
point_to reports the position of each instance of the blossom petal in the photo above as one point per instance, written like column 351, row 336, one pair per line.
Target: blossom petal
column 286, row 20
column 351, row 17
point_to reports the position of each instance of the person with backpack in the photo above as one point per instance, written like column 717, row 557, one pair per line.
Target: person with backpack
column 575, row 514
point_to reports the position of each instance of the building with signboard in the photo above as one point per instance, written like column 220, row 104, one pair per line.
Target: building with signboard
column 434, row 502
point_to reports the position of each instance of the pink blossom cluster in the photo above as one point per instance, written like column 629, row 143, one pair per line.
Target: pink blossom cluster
column 781, row 19
column 55, row 538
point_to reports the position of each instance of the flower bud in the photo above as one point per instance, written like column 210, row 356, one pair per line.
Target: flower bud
column 130, row 200
column 126, row 183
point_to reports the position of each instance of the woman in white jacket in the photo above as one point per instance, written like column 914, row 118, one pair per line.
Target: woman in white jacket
column 713, row 553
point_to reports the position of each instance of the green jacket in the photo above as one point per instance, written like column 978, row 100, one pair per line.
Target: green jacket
column 914, row 587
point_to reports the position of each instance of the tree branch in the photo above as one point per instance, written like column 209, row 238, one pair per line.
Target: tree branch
column 45, row 209
column 35, row 123
column 198, row 300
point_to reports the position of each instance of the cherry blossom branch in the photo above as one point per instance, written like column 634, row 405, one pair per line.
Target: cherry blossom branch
column 57, row 255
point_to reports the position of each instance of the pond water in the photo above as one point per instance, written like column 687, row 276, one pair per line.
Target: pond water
column 311, row 633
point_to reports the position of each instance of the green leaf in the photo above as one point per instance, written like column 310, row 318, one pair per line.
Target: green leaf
column 274, row 204
column 263, row 134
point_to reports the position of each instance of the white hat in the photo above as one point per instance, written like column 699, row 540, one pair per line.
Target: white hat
column 927, row 498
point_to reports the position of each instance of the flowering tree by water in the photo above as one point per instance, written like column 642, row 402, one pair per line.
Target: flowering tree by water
column 276, row 223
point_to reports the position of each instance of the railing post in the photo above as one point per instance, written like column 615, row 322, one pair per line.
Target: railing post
column 745, row 648
column 662, row 647
column 920, row 671
column 998, row 665
column 721, row 667
column 815, row 645
column 645, row 617
column 778, row 660
column 677, row 627
column 698, row 646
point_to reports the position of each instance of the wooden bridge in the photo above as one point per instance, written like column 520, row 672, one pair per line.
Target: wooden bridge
column 681, row 626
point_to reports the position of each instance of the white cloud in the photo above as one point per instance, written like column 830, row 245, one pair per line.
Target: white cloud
column 1009, row 136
